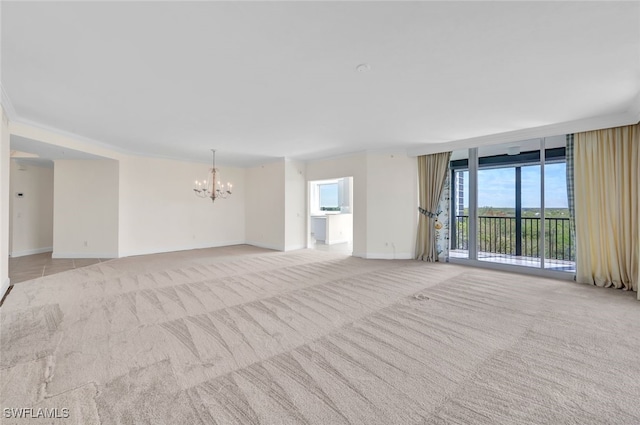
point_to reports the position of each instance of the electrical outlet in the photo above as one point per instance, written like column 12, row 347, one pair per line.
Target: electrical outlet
column 86, row 243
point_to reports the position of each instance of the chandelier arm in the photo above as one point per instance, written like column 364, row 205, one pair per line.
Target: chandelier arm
column 210, row 188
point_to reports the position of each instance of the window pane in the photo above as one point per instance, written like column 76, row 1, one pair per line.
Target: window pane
column 508, row 226
column 508, row 215
column 496, row 213
column 329, row 196
column 559, row 244
column 530, row 222
column 459, row 224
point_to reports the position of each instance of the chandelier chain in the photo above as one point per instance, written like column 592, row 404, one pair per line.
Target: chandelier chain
column 211, row 187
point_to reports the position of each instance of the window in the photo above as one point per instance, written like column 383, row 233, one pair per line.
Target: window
column 329, row 197
column 520, row 215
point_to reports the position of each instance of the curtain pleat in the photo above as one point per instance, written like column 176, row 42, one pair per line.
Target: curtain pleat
column 607, row 207
column 443, row 220
column 432, row 172
column 571, row 193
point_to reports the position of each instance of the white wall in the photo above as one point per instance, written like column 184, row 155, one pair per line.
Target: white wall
column 295, row 209
column 265, row 205
column 159, row 211
column 4, row 202
column 85, row 209
column 339, row 228
column 31, row 217
column 392, row 202
column 155, row 213
column 384, row 200
column 345, row 194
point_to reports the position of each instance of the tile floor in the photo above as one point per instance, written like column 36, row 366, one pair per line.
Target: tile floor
column 34, row 266
column 343, row 248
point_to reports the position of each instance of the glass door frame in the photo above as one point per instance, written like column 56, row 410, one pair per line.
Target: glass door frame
column 473, row 243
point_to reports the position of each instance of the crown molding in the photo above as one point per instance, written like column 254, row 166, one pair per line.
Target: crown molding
column 24, row 128
column 359, row 154
column 270, row 161
column 630, row 116
column 634, row 110
column 7, row 105
column 15, row 122
column 400, row 151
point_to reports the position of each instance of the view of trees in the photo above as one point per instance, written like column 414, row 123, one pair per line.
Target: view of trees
column 501, row 185
column 497, row 232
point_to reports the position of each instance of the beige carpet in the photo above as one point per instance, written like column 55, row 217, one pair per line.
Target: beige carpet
column 246, row 336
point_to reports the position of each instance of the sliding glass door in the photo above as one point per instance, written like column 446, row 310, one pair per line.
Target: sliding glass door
column 559, row 246
column 530, row 215
column 496, row 230
column 518, row 214
column 459, row 238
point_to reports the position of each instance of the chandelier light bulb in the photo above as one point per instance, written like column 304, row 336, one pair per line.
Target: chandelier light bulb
column 212, row 191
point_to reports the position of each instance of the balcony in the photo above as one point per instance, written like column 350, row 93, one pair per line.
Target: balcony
column 502, row 240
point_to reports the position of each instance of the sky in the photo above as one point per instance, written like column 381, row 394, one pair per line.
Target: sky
column 496, row 187
column 329, row 195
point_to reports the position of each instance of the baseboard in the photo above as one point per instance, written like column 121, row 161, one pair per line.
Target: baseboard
column 265, row 245
column 181, row 248
column 370, row 256
column 388, row 256
column 295, row 247
column 336, row 242
column 383, row 256
column 22, row 253
column 84, row 255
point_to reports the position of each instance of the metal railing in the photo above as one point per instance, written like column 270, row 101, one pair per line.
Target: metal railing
column 500, row 235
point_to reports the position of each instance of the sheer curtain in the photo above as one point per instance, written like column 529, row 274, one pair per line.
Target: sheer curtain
column 432, row 172
column 607, row 210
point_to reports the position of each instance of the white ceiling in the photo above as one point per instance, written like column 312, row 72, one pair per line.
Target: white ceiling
column 271, row 79
column 47, row 151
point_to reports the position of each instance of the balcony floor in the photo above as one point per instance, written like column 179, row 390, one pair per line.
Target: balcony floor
column 550, row 264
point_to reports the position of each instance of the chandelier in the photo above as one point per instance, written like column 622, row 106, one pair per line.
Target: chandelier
column 212, row 188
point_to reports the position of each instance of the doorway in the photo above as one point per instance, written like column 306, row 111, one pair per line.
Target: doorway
column 331, row 215
column 30, row 205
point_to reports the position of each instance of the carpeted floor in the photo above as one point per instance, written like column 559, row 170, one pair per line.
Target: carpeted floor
column 241, row 335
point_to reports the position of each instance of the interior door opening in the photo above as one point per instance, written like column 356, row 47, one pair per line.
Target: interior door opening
column 331, row 215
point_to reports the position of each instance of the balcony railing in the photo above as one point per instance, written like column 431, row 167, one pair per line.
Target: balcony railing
column 499, row 235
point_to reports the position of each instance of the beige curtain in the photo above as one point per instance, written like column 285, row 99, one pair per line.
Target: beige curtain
column 607, row 181
column 432, row 172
